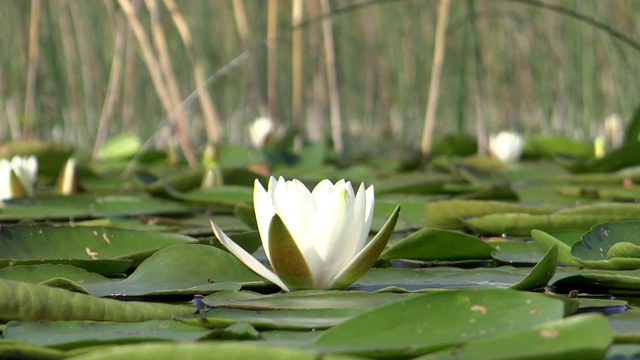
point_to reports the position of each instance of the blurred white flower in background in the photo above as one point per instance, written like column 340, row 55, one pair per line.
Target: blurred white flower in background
column 18, row 177
column 259, row 131
column 313, row 240
column 506, row 146
column 614, row 130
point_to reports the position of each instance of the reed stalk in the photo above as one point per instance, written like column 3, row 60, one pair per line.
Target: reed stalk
column 434, row 85
column 272, row 60
column 212, row 124
column 32, row 72
column 332, row 80
column 155, row 71
column 297, row 12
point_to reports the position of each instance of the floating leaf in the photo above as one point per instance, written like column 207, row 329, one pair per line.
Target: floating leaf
column 27, row 302
column 541, row 274
column 46, row 242
column 577, row 337
column 222, row 350
column 448, row 214
column 303, row 299
column 429, row 244
column 546, row 241
column 612, row 245
column 517, row 224
column 74, row 334
column 408, row 325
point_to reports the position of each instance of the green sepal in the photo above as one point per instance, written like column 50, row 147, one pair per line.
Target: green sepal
column 286, row 259
column 367, row 256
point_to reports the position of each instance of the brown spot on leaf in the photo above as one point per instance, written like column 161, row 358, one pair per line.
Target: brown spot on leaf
column 549, row 333
column 479, row 308
column 92, row 254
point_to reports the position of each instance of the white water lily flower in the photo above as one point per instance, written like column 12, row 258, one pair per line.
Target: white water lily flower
column 506, row 146
column 313, row 240
column 18, row 176
column 259, row 130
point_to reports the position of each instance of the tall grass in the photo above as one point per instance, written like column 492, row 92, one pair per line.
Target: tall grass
column 78, row 71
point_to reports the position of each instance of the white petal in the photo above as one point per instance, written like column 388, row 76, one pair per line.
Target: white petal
column 296, row 208
column 5, row 179
column 264, row 210
column 331, row 227
column 246, row 258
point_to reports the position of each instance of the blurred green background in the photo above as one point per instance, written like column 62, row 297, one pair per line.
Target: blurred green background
column 508, row 65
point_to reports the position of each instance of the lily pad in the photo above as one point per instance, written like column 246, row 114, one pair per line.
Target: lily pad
column 176, row 270
column 578, row 337
column 304, row 299
column 409, row 324
column 541, row 274
column 27, row 302
column 449, row 214
column 517, row 224
column 66, row 335
column 612, row 245
column 230, row 351
column 429, row 244
column 40, row 242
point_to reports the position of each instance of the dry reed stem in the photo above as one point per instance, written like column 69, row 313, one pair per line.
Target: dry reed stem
column 170, row 80
column 272, row 60
column 129, row 77
column 332, row 80
column 32, row 72
column 240, row 18
column 87, row 66
column 211, row 121
column 113, row 87
column 71, row 67
column 155, row 72
column 434, row 85
column 296, row 69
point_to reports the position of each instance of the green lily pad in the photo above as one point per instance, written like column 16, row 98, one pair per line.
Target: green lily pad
column 541, row 274
column 546, row 241
column 27, row 302
column 287, row 319
column 304, row 299
column 82, row 206
column 613, row 282
column 578, row 337
column 166, row 272
column 517, row 224
column 40, row 242
column 516, row 252
column 410, row 184
column 67, row 335
column 612, row 245
column 393, row 329
column 429, row 244
column 440, row 278
column 203, row 350
column 18, row 350
column 619, row 158
column 221, row 197
column 449, row 214
column 549, row 146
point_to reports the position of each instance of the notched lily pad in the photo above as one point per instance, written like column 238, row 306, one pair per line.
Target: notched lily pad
column 612, row 245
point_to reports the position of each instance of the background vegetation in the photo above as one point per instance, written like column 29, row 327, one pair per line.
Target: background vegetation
column 78, row 72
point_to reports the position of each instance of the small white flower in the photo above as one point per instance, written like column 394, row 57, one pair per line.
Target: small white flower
column 506, row 146
column 18, row 177
column 259, row 130
column 313, row 240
